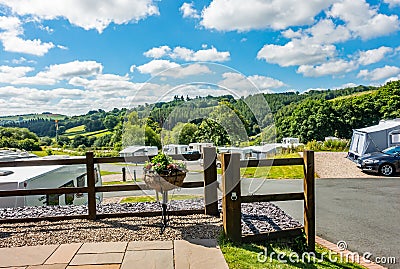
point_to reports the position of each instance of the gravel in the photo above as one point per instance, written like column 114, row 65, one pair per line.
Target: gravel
column 336, row 165
column 256, row 218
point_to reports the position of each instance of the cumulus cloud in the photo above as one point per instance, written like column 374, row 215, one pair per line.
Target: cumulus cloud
column 11, row 75
column 363, row 20
column 374, row 55
column 392, row 3
column 12, row 40
column 157, row 52
column 379, row 73
column 182, row 53
column 240, row 82
column 87, row 14
column 188, row 11
column 237, row 15
column 167, row 68
column 336, row 67
column 296, row 52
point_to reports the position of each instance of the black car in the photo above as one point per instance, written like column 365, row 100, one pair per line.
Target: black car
column 385, row 162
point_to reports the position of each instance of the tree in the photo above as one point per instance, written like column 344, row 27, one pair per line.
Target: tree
column 80, row 140
column 187, row 134
column 110, row 121
column 210, row 131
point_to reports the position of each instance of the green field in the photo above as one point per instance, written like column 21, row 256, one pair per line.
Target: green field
column 274, row 172
column 33, row 116
column 80, row 130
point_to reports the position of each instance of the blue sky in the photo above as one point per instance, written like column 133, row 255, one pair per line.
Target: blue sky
column 71, row 56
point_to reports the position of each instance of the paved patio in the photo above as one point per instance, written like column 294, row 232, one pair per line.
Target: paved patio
column 178, row 254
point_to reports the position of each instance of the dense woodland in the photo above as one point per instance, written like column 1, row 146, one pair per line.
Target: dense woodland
column 227, row 121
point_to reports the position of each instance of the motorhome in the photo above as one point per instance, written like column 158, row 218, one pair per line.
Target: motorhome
column 51, row 176
column 175, row 149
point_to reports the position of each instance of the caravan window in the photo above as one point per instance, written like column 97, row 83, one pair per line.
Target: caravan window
column 395, row 138
column 69, row 197
column 354, row 144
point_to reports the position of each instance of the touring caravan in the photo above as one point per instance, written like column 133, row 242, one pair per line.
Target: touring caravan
column 138, row 150
column 199, row 146
column 175, row 149
column 374, row 138
column 51, row 176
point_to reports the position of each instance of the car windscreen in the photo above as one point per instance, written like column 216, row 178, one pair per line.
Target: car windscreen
column 392, row 150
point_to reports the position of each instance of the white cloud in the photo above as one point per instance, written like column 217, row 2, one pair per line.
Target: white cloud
column 12, row 41
column 379, row 73
column 237, row 15
column 87, row 14
column 157, row 52
column 373, row 55
column 167, row 68
column 335, row 67
column 188, row 11
column 326, row 32
column 363, row 20
column 182, row 53
column 11, row 75
column 236, row 81
column 392, row 3
column 296, row 52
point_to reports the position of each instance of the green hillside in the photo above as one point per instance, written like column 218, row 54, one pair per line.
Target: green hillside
column 27, row 117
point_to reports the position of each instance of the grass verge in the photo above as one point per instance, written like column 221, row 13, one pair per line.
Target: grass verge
column 279, row 255
column 138, row 199
column 274, row 172
column 106, row 173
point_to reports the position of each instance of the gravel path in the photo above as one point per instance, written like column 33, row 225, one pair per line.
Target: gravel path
column 256, row 218
column 336, row 165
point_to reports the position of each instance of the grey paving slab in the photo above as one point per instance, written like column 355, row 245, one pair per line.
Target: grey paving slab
column 48, row 266
column 198, row 255
column 96, row 266
column 103, row 247
column 149, row 245
column 103, row 258
column 63, row 254
column 149, row 259
column 24, row 256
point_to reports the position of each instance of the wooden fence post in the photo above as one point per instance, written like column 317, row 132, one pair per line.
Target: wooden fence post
column 91, row 182
column 231, row 199
column 210, row 181
column 309, row 199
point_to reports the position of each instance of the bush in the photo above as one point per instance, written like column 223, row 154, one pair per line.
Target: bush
column 329, row 145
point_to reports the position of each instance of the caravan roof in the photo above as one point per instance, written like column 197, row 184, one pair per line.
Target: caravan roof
column 21, row 174
column 383, row 125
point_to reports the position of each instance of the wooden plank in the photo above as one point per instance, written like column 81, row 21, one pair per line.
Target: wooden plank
column 287, row 233
column 272, row 162
column 40, row 162
column 43, row 191
column 210, row 181
column 231, row 199
column 91, row 183
column 273, row 197
column 309, row 199
column 109, row 160
column 137, row 187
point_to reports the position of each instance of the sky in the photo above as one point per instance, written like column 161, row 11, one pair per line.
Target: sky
column 72, row 56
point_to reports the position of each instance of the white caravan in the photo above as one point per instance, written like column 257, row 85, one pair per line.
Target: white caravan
column 137, row 150
column 175, row 149
column 199, row 146
column 51, row 176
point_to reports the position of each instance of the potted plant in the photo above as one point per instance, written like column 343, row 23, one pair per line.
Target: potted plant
column 162, row 173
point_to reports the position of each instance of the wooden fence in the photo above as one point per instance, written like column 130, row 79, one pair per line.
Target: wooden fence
column 232, row 198
column 210, row 184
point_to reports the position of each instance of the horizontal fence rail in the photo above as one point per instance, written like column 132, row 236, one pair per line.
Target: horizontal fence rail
column 272, row 162
column 273, row 197
column 89, row 160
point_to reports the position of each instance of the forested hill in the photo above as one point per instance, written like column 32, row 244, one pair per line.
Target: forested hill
column 310, row 115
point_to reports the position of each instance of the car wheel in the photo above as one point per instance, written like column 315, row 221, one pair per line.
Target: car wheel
column 386, row 169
